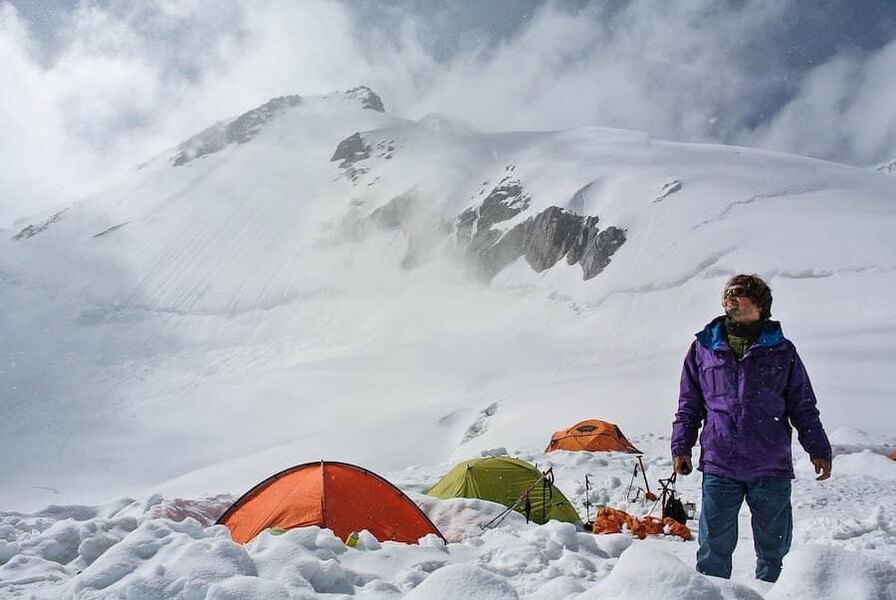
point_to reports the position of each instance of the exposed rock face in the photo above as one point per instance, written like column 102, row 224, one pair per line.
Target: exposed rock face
column 587, row 231
column 668, row 189
column 367, row 97
column 110, row 230
column 542, row 239
column 492, row 249
column 349, row 152
column 600, row 248
column 246, row 126
column 505, row 201
column 33, row 230
column 385, row 149
column 492, row 233
column 550, row 236
column 464, row 227
column 239, row 131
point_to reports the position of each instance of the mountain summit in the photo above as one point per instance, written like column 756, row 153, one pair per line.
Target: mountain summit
column 243, row 128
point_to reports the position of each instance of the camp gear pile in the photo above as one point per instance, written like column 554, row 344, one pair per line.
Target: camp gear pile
column 612, row 520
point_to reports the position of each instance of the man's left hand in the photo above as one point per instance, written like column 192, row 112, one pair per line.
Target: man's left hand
column 822, row 468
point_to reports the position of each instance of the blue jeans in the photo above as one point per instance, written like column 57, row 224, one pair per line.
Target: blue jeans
column 772, row 520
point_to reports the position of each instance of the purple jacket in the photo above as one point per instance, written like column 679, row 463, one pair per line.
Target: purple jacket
column 746, row 408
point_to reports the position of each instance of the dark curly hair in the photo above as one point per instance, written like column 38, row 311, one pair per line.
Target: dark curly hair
column 757, row 291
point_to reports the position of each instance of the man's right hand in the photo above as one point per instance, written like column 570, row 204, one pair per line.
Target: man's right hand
column 822, row 468
column 682, row 464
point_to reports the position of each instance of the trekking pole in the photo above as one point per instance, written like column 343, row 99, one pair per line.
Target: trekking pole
column 547, row 491
column 587, row 500
column 647, row 493
column 628, row 494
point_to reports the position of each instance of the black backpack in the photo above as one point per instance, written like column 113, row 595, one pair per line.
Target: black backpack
column 672, row 506
column 674, row 509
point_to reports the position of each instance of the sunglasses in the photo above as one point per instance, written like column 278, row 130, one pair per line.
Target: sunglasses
column 738, row 291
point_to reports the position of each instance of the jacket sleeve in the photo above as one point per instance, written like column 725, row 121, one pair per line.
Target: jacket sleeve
column 803, row 412
column 691, row 407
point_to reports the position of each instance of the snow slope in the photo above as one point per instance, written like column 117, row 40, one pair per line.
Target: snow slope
column 236, row 305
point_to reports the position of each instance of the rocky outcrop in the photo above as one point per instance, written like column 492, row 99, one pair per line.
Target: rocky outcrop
column 587, row 231
column 506, row 200
column 600, row 248
column 490, row 248
column 550, row 236
column 354, row 150
column 367, row 97
column 492, row 234
column 239, row 131
column 34, row 229
column 667, row 190
column 110, row 230
column 350, row 152
column 247, row 125
column 542, row 239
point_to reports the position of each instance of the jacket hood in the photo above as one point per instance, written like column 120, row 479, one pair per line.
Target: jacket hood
column 713, row 335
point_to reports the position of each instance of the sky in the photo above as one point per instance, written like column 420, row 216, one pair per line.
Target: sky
column 98, row 86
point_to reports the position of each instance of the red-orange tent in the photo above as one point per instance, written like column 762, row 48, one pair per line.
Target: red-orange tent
column 893, row 456
column 339, row 496
column 591, row 436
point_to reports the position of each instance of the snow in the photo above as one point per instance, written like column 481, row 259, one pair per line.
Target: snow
column 464, row 581
column 224, row 326
column 830, row 572
column 169, row 547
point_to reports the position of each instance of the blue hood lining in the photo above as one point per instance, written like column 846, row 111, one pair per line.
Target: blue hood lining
column 713, row 335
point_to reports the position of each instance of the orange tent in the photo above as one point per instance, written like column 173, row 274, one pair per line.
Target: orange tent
column 339, row 496
column 893, row 456
column 591, row 436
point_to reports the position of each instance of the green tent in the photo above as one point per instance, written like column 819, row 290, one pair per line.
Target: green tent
column 506, row 480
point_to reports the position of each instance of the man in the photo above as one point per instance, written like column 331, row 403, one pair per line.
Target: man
column 744, row 382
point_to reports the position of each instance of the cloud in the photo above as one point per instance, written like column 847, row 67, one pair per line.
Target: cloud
column 736, row 72
column 117, row 82
column 28, row 145
column 845, row 108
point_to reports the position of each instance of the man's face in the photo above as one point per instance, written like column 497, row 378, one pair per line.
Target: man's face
column 739, row 307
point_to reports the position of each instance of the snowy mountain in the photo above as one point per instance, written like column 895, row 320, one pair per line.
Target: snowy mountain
column 889, row 168
column 317, row 278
